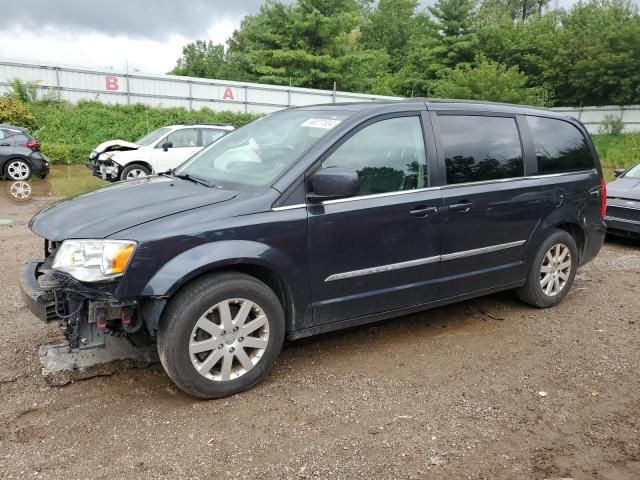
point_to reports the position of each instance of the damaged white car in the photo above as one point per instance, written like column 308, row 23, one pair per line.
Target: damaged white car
column 158, row 151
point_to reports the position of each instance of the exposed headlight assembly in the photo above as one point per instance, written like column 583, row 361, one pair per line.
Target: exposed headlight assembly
column 94, row 260
column 106, row 156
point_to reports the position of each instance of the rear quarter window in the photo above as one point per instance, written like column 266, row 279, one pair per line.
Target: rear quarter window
column 559, row 145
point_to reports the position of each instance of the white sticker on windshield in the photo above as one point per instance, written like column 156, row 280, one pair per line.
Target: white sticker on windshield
column 325, row 123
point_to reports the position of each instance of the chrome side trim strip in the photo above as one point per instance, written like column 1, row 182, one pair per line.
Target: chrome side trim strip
column 382, row 268
column 289, row 207
column 423, row 261
column 480, row 251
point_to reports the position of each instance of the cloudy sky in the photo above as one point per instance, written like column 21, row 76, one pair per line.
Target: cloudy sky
column 148, row 35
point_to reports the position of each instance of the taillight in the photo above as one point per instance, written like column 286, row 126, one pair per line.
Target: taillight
column 32, row 144
column 603, row 199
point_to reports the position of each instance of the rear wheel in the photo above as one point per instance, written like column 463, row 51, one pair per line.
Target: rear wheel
column 18, row 170
column 133, row 171
column 552, row 272
column 221, row 334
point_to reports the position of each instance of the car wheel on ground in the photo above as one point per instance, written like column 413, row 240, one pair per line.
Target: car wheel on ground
column 17, row 170
column 552, row 272
column 221, row 334
column 134, row 171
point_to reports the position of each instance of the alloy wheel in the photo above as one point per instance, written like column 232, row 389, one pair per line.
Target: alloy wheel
column 18, row 170
column 229, row 339
column 136, row 173
column 20, row 190
column 555, row 270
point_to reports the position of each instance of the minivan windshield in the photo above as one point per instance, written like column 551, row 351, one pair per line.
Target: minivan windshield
column 634, row 172
column 149, row 138
column 259, row 152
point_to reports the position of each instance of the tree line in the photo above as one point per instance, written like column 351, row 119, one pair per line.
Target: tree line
column 524, row 51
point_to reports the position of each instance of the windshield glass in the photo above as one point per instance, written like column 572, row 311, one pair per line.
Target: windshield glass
column 149, row 138
column 259, row 152
column 634, row 172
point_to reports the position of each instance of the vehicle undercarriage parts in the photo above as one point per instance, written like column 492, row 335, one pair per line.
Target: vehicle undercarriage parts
column 61, row 364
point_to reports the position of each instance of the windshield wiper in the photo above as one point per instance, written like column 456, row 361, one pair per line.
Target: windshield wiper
column 191, row 178
column 186, row 176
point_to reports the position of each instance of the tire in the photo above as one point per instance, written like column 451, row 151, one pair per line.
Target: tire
column 135, row 170
column 543, row 287
column 200, row 304
column 17, row 169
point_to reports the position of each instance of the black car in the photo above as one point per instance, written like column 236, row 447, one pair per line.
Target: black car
column 319, row 218
column 623, row 203
column 20, row 155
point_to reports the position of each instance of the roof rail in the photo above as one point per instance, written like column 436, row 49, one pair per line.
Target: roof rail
column 193, row 122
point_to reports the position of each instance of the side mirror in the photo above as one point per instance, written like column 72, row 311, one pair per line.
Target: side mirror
column 166, row 146
column 619, row 171
column 333, row 182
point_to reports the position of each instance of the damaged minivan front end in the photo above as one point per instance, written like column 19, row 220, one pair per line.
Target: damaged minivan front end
column 74, row 285
column 81, row 280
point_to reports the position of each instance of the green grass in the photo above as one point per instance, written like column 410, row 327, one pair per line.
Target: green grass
column 618, row 150
column 68, row 132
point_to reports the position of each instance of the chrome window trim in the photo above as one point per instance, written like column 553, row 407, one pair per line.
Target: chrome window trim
column 382, row 268
column 423, row 261
column 443, row 187
column 379, row 195
column 517, row 179
column 289, row 207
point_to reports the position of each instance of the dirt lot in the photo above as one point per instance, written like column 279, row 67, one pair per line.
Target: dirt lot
column 450, row 393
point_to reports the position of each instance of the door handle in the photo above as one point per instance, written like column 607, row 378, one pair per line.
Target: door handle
column 5, row 144
column 421, row 211
column 464, row 206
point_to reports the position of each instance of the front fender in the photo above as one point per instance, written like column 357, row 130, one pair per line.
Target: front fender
column 202, row 258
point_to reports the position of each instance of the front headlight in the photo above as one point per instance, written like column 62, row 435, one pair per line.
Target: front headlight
column 105, row 156
column 94, row 260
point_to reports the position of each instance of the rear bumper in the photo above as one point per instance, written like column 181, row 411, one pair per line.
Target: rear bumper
column 621, row 226
column 593, row 241
column 40, row 165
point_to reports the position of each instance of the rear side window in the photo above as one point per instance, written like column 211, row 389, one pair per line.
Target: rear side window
column 479, row 148
column 560, row 146
column 388, row 156
column 211, row 134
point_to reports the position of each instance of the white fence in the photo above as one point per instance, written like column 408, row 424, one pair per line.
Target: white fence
column 592, row 117
column 75, row 84
column 106, row 86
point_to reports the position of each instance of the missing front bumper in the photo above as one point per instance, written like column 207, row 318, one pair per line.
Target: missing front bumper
column 85, row 313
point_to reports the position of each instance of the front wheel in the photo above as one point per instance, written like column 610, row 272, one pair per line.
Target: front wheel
column 133, row 171
column 18, row 170
column 221, row 335
column 552, row 272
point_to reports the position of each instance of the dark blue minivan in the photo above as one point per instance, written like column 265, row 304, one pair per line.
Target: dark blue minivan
column 319, row 218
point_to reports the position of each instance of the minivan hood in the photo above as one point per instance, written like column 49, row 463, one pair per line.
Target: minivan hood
column 122, row 205
column 113, row 146
column 624, row 188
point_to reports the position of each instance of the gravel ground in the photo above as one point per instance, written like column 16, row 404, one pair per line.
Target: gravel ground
column 486, row 389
